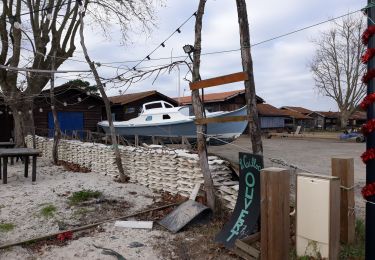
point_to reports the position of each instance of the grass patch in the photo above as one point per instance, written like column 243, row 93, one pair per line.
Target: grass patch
column 48, row 211
column 6, row 227
column 357, row 249
column 83, row 195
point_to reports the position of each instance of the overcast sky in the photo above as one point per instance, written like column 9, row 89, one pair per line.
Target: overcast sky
column 282, row 75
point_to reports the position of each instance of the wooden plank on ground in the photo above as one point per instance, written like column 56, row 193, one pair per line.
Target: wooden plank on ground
column 235, row 77
column 242, row 254
column 252, row 238
column 203, row 121
column 247, row 248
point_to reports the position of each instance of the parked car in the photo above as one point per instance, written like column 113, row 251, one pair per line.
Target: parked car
column 357, row 136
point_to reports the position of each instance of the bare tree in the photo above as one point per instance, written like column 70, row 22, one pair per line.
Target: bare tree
column 337, row 67
column 123, row 176
column 37, row 29
column 199, row 110
column 247, row 65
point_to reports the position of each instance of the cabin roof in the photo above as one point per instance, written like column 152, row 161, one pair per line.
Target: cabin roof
column 269, row 110
column 216, row 97
column 128, row 98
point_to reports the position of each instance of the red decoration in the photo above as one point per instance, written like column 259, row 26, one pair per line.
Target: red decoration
column 369, row 127
column 367, row 101
column 368, row 55
column 368, row 190
column 368, row 155
column 368, row 76
column 65, row 236
column 370, row 31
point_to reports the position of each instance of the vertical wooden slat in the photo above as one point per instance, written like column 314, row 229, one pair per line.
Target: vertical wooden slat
column 274, row 214
column 334, row 232
column 344, row 169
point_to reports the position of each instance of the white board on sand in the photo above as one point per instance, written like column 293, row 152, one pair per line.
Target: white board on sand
column 134, row 224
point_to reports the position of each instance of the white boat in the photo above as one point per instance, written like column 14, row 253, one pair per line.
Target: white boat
column 162, row 119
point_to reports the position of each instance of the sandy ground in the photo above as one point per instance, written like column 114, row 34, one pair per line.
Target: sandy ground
column 21, row 202
column 313, row 155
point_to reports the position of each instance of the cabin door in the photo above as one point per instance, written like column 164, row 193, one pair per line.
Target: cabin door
column 69, row 122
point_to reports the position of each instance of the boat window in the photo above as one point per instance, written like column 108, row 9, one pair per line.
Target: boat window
column 168, row 105
column 129, row 110
column 149, row 118
column 154, row 105
column 166, row 117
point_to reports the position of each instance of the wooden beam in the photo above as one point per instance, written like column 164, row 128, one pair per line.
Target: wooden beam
column 240, row 76
column 344, row 169
column 275, row 227
column 247, row 248
column 210, row 120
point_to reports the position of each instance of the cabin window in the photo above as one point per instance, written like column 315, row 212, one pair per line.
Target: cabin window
column 166, row 117
column 129, row 110
column 149, row 118
column 155, row 105
column 168, row 105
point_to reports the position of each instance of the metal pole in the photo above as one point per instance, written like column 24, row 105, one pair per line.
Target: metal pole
column 370, row 167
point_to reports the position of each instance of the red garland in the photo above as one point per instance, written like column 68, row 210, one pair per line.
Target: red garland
column 367, row 101
column 370, row 31
column 368, row 55
column 368, row 76
column 368, row 155
column 368, row 190
column 369, row 127
column 65, row 236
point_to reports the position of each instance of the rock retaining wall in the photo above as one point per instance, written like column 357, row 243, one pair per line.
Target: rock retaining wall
column 159, row 168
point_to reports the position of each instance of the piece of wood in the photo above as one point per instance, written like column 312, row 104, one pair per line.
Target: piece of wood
column 334, row 225
column 252, row 238
column 210, row 120
column 86, row 226
column 242, row 254
column 275, row 225
column 231, row 78
column 134, row 224
column 33, row 172
column 343, row 168
column 195, row 191
column 247, row 248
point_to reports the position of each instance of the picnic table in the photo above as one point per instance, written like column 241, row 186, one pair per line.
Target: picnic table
column 24, row 153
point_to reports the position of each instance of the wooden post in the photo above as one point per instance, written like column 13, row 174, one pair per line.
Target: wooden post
column 275, row 228
column 344, row 169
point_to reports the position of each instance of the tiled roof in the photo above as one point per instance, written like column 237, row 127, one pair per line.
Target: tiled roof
column 299, row 109
column 329, row 114
column 127, row 98
column 359, row 115
column 215, row 97
column 268, row 110
column 295, row 114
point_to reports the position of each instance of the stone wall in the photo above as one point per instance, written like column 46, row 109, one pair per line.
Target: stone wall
column 159, row 168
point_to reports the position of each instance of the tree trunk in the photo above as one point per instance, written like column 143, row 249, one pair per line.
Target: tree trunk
column 247, row 65
column 123, row 176
column 344, row 117
column 23, row 120
column 199, row 111
column 57, row 131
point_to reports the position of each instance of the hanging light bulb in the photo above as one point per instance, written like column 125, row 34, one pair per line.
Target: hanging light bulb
column 178, row 30
column 20, row 112
column 65, row 104
column 10, row 112
column 49, row 16
column 1, row 112
column 52, row 107
column 17, row 25
column 30, row 111
column 79, row 99
column 162, row 44
column 87, row 93
column 40, row 110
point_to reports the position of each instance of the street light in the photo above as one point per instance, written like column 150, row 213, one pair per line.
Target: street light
column 189, row 49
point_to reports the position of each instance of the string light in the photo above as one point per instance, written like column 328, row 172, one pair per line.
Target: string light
column 148, row 57
column 178, row 30
column 30, row 111
column 79, row 99
column 162, row 44
column 65, row 104
column 41, row 110
column 20, row 112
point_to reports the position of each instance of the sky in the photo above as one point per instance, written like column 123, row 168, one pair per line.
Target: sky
column 282, row 74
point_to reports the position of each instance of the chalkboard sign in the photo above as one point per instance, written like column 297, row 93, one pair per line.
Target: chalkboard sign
column 247, row 210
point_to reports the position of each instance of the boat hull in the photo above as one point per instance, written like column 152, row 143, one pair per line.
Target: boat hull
column 227, row 130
